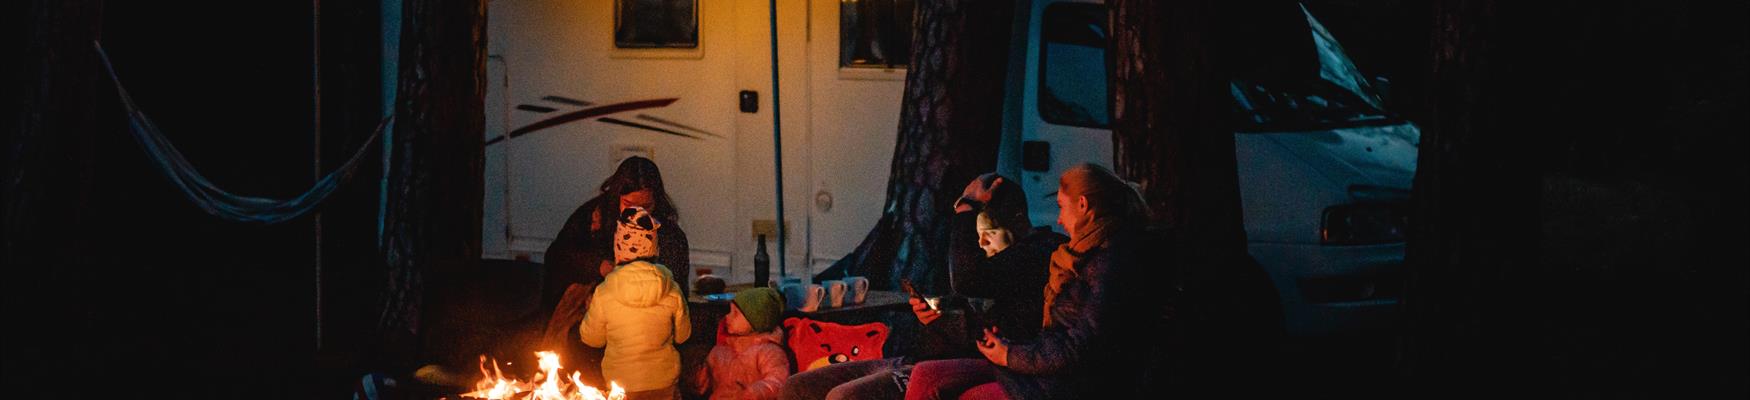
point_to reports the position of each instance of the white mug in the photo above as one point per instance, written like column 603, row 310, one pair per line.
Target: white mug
column 812, row 298
column 835, row 291
column 859, row 288
column 803, row 297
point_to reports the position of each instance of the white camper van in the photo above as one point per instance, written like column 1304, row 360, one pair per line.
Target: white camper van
column 1323, row 174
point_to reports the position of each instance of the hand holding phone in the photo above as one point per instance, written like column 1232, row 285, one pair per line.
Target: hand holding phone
column 905, row 284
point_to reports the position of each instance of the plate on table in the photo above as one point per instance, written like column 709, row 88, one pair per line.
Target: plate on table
column 720, row 297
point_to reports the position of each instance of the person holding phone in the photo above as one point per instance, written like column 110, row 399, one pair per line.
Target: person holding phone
column 1072, row 343
column 995, row 254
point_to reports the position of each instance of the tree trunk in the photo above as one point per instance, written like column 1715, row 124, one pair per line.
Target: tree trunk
column 1169, row 125
column 432, row 229
column 50, row 145
column 1171, row 136
column 948, row 134
column 48, row 160
column 351, row 267
column 1473, row 236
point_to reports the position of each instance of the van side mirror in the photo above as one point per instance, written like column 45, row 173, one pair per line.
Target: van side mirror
column 1036, row 155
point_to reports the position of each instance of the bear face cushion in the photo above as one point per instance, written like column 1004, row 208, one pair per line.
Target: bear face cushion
column 817, row 344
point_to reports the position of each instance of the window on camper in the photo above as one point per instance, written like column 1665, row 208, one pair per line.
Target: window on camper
column 648, row 24
column 875, row 33
column 1072, row 65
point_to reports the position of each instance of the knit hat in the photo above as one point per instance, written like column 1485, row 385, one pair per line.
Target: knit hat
column 761, row 306
column 635, row 238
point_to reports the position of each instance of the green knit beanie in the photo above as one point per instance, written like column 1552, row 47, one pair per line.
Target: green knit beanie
column 761, row 306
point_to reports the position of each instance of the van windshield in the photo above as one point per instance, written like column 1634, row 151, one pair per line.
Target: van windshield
column 1072, row 80
column 1338, row 96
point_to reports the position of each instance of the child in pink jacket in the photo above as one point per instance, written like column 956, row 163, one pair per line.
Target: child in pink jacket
column 750, row 363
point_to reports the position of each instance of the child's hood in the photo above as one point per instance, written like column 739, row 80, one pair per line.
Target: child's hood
column 742, row 342
column 639, row 284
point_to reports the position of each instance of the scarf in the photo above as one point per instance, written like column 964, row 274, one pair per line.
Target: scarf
column 1063, row 261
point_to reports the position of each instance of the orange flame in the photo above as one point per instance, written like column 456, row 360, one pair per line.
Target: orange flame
column 547, row 384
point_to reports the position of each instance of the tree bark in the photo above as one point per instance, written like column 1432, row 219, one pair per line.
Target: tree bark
column 1473, row 235
column 432, row 229
column 1171, row 135
column 1169, row 126
column 50, row 141
column 949, row 129
column 49, row 151
column 351, row 263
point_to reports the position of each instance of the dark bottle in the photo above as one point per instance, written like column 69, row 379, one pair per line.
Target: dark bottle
column 762, row 264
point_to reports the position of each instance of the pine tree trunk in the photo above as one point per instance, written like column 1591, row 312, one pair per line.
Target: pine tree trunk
column 1171, row 135
column 948, row 134
column 1169, row 117
column 49, row 151
column 432, row 229
column 56, row 111
column 1472, row 242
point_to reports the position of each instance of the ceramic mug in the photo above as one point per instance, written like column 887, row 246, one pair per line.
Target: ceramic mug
column 803, row 297
column 793, row 294
column 835, row 293
column 859, row 288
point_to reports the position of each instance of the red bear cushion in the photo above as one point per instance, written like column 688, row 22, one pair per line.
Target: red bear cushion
column 817, row 344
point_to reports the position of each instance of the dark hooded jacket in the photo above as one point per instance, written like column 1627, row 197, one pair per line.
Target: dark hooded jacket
column 1099, row 339
column 575, row 256
column 1012, row 279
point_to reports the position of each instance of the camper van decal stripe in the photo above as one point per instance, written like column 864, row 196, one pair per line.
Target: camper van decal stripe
column 643, row 126
column 648, row 117
column 567, row 100
column 535, row 108
column 589, row 113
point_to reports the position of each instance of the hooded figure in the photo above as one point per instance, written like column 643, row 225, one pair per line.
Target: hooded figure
column 638, row 313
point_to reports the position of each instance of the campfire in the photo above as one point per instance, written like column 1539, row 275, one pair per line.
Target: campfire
column 547, row 384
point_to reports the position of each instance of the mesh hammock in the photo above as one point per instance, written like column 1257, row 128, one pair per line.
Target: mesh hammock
column 209, row 197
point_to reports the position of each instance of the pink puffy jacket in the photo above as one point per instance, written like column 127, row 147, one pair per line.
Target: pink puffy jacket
column 751, row 366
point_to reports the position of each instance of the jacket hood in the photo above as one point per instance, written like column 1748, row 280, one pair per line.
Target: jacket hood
column 639, row 284
column 742, row 342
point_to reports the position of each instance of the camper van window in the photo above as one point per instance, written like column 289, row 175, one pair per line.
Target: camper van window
column 1334, row 95
column 1072, row 65
column 646, row 24
column 875, row 33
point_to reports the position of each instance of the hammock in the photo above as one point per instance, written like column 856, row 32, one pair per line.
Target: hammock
column 209, row 197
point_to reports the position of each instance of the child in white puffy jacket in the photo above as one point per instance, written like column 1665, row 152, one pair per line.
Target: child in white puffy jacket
column 638, row 313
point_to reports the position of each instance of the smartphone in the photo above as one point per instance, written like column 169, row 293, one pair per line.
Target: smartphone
column 905, row 284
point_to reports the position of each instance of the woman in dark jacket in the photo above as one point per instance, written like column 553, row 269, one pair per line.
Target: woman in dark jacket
column 583, row 253
column 994, row 254
column 1081, row 345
